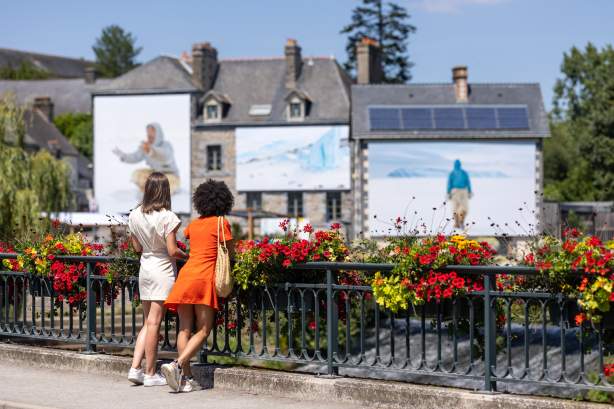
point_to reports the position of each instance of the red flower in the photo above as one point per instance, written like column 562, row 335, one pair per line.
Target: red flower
column 580, row 318
column 286, row 263
column 284, row 224
column 608, row 370
column 311, row 325
column 308, row 228
column 335, row 226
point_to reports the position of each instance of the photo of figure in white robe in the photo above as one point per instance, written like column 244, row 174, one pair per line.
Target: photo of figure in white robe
column 157, row 154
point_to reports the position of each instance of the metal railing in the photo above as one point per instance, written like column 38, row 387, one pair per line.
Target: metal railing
column 486, row 340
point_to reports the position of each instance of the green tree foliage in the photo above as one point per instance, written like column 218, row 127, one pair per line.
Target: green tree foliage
column 78, row 128
column 388, row 23
column 579, row 159
column 24, row 71
column 29, row 183
column 115, row 52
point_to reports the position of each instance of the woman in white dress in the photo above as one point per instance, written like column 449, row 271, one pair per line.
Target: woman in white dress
column 153, row 228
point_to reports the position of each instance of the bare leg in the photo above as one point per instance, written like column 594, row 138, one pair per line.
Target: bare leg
column 154, row 318
column 186, row 324
column 139, row 346
column 205, row 317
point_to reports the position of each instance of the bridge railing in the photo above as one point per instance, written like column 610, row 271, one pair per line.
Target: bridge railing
column 487, row 340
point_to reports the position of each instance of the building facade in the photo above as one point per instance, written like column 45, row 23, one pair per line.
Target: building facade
column 407, row 139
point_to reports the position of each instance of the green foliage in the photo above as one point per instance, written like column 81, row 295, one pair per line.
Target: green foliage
column 24, row 71
column 115, row 51
column 388, row 24
column 29, row 183
column 12, row 124
column 79, row 130
column 579, row 164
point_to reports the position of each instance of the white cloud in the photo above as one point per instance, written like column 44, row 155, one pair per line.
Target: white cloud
column 452, row 6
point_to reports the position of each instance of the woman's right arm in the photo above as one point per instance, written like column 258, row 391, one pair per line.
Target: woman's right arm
column 171, row 245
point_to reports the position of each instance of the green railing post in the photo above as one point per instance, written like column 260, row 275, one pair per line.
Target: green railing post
column 90, row 345
column 490, row 333
column 331, row 325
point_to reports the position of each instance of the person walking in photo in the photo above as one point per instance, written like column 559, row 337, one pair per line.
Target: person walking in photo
column 158, row 155
column 459, row 192
column 153, row 229
column 194, row 296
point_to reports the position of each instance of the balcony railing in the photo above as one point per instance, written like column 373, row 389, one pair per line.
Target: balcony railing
column 525, row 342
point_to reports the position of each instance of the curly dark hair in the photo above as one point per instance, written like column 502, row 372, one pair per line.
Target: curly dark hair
column 213, row 198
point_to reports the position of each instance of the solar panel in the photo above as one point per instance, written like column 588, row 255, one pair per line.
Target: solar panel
column 449, row 118
column 417, row 118
column 384, row 119
column 481, row 118
column 513, row 118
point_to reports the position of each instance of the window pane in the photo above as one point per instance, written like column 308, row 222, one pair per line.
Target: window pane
column 295, row 204
column 211, row 111
column 254, row 200
column 295, row 110
column 333, row 206
column 214, row 157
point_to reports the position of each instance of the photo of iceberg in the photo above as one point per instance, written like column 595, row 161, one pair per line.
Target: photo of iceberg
column 293, row 158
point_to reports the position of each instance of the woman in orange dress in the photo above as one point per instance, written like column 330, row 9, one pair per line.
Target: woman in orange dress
column 193, row 295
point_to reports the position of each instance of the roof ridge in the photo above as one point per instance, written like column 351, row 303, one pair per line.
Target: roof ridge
column 79, row 59
column 276, row 58
column 438, row 84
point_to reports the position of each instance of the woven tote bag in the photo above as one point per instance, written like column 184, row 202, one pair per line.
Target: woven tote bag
column 223, row 278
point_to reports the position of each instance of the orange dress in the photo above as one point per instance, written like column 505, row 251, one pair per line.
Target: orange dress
column 196, row 280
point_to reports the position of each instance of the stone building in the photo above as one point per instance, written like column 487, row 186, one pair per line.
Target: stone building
column 285, row 94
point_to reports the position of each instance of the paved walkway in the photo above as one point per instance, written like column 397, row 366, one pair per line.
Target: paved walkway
column 68, row 390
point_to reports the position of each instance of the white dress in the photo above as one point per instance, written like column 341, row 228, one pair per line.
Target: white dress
column 158, row 269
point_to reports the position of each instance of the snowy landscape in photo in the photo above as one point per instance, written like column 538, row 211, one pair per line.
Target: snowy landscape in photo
column 293, row 158
column 409, row 180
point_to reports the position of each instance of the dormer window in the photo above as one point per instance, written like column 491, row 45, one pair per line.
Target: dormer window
column 296, row 110
column 298, row 104
column 215, row 106
column 212, row 112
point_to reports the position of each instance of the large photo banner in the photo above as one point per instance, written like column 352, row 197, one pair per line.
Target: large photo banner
column 480, row 188
column 135, row 135
column 291, row 158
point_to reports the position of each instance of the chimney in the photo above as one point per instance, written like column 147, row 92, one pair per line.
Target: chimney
column 204, row 65
column 368, row 62
column 294, row 61
column 90, row 75
column 461, row 87
column 45, row 106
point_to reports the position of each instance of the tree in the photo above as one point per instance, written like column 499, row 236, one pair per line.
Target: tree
column 115, row 52
column 579, row 157
column 78, row 128
column 24, row 71
column 389, row 25
column 30, row 184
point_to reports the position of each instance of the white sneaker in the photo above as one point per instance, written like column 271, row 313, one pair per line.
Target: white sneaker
column 154, row 380
column 189, row 385
column 172, row 373
column 136, row 376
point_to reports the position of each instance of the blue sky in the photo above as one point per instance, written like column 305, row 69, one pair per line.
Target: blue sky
column 500, row 40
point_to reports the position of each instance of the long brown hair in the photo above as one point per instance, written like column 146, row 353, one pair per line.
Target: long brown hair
column 157, row 194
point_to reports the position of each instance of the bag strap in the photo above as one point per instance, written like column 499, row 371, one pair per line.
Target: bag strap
column 220, row 220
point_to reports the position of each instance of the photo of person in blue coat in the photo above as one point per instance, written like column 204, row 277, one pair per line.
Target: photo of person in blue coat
column 459, row 192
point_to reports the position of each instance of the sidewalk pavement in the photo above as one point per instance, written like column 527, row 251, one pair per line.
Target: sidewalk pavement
column 63, row 389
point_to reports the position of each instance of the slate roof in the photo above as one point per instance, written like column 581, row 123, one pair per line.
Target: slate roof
column 530, row 95
column 56, row 66
column 43, row 134
column 247, row 82
column 162, row 74
column 262, row 81
column 67, row 95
